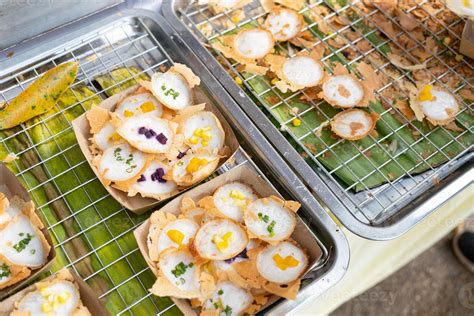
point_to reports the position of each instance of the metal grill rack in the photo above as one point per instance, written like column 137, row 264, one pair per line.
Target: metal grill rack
column 120, row 45
column 91, row 231
column 392, row 205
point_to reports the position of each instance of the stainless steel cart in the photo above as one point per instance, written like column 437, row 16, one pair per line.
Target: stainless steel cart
column 382, row 212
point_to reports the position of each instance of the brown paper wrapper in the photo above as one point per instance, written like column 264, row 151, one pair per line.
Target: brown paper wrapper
column 467, row 41
column 139, row 204
column 302, row 234
column 11, row 186
column 88, row 297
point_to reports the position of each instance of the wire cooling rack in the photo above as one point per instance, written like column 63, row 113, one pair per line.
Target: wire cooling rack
column 91, row 231
column 93, row 234
column 351, row 35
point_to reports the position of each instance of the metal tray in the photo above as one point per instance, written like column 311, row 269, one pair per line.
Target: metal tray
column 78, row 211
column 380, row 213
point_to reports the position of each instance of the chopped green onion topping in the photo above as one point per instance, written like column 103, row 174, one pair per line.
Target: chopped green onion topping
column 129, row 163
column 5, row 271
column 264, row 218
column 171, row 92
column 228, row 310
column 181, row 268
column 270, row 228
column 21, row 245
column 117, row 154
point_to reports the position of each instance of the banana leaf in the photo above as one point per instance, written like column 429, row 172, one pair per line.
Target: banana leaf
column 40, row 96
column 120, row 79
column 392, row 153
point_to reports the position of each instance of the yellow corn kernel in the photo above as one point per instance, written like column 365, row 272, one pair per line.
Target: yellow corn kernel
column 274, row 81
column 238, row 80
column 198, row 132
column 425, row 94
column 296, row 122
column 194, row 140
column 45, row 292
column 147, row 107
column 206, row 136
column 115, row 137
column 285, row 263
column 175, row 235
column 235, row 19
column 222, row 242
column 127, row 113
column 63, row 297
column 458, row 58
column 447, row 40
column 195, row 164
column 47, row 307
column 204, row 143
column 236, row 194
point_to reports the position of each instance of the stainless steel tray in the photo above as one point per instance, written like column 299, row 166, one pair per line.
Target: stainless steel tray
column 66, row 191
column 379, row 213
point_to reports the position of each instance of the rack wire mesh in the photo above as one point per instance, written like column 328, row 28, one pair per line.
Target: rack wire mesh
column 92, row 233
column 352, row 32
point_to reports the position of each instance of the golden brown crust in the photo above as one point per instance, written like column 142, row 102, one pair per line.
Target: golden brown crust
column 97, row 117
column 420, row 114
column 216, row 8
column 248, row 269
column 28, row 209
column 225, row 45
column 191, row 178
column 187, row 73
column 373, row 117
column 242, row 31
column 288, row 291
column 334, row 102
column 158, row 220
column 62, row 275
column 17, row 273
column 277, row 11
column 276, row 66
column 187, row 204
column 292, row 4
column 259, row 301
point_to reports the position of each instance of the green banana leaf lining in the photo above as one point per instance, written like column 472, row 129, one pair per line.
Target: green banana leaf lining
column 394, row 152
column 63, row 186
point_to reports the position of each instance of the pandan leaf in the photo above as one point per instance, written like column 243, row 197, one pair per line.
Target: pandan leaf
column 40, row 96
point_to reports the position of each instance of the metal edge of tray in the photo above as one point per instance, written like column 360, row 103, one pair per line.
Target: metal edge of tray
column 338, row 261
column 293, row 184
column 414, row 212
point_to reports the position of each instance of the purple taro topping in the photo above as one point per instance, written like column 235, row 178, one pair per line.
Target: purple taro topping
column 182, row 154
column 158, row 175
column 162, row 139
column 242, row 255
